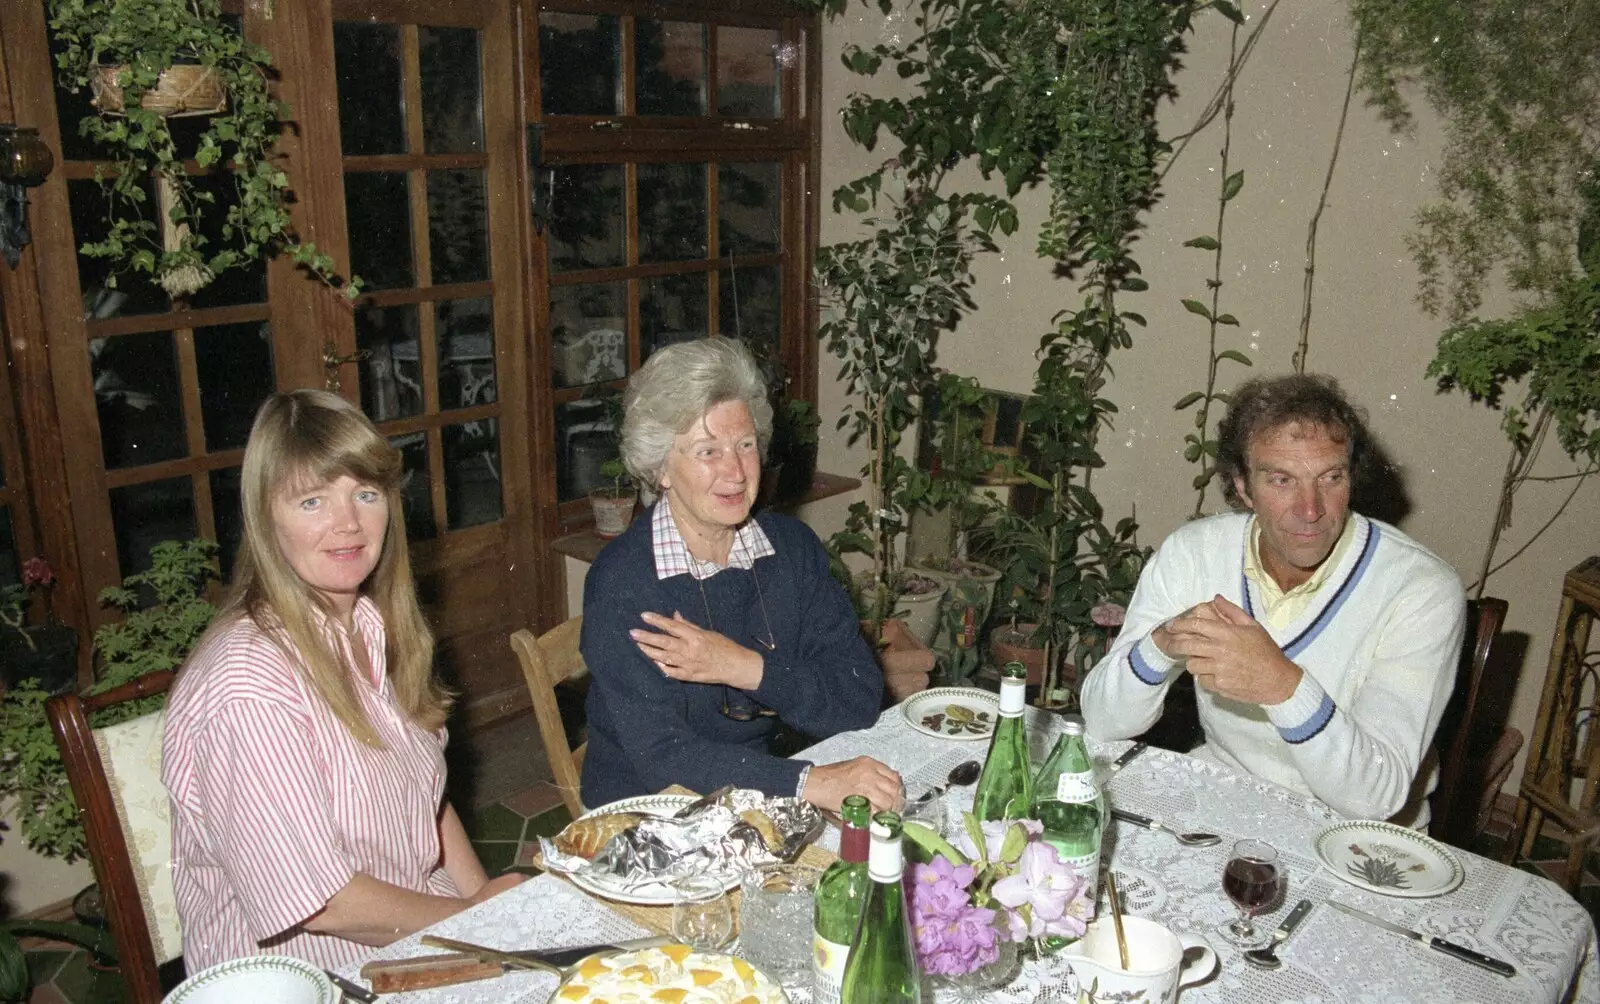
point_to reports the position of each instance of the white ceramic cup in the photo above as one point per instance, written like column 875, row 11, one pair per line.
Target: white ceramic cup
column 1156, row 965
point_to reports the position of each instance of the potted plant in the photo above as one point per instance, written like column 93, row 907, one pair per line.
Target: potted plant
column 46, row 653
column 614, row 503
column 793, row 453
column 151, row 637
column 146, row 61
column 888, row 296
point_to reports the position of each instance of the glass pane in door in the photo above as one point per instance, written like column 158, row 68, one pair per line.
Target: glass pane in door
column 749, row 304
column 749, row 208
column 391, row 375
column 378, row 211
column 367, row 58
column 415, row 491
column 670, row 57
column 672, row 212
column 472, row 473
column 458, row 226
column 106, row 295
column 144, row 515
column 465, row 331
column 580, row 64
column 747, row 72
column 587, row 225
column 227, row 515
column 136, row 394
column 586, row 437
column 236, row 285
column 234, row 365
column 589, row 333
column 452, row 105
column 671, row 309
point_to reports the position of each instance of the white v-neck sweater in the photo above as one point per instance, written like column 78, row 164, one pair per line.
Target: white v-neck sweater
column 1378, row 645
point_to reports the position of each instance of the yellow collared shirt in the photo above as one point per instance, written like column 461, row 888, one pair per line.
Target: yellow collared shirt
column 1278, row 607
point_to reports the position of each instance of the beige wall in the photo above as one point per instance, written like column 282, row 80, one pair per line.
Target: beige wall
column 29, row 882
column 1366, row 328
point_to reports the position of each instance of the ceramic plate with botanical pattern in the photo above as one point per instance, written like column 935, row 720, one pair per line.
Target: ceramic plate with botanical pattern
column 1389, row 860
column 953, row 712
column 256, row 979
column 613, row 888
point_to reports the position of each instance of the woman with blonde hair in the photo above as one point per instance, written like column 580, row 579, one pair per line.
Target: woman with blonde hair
column 304, row 749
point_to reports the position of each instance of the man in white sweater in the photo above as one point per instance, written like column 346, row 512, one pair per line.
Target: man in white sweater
column 1323, row 644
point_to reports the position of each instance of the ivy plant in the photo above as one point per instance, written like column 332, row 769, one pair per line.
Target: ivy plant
column 164, row 613
column 143, row 39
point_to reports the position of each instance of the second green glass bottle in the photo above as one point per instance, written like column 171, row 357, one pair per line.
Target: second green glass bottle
column 1005, row 788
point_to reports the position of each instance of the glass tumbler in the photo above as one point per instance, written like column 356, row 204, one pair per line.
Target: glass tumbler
column 702, row 917
column 775, row 917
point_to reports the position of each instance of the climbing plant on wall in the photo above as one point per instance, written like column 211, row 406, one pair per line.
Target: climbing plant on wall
column 1062, row 93
column 1516, row 85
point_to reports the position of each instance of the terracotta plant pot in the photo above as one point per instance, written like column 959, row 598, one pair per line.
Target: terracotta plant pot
column 950, row 572
column 613, row 510
column 1012, row 643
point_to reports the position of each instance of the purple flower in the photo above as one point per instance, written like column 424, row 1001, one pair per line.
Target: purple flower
column 952, row 935
column 994, row 837
column 1042, row 897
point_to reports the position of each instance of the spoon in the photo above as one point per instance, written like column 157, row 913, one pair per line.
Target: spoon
column 1266, row 958
column 961, row 774
column 1186, row 839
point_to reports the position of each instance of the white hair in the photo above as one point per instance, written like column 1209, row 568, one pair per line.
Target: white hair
column 675, row 388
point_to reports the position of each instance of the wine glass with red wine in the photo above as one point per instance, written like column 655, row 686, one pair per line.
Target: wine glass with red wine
column 1250, row 878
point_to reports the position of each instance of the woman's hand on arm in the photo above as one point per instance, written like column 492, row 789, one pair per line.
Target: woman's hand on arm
column 828, row 785
column 460, row 860
column 376, row 913
column 685, row 651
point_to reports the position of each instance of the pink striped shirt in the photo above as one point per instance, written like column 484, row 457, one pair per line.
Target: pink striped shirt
column 276, row 806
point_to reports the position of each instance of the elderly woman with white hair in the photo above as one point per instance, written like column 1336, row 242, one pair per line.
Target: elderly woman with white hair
column 704, row 626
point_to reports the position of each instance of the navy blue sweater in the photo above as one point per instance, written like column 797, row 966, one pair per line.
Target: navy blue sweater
column 647, row 731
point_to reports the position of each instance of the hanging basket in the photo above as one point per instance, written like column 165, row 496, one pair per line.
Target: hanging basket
column 181, row 91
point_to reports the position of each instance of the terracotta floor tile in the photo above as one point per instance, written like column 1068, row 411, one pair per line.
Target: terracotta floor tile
column 46, row 993
column 532, row 801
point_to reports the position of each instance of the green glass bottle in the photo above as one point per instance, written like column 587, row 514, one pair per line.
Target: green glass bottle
column 840, row 894
column 1005, row 788
column 1069, row 803
column 882, row 967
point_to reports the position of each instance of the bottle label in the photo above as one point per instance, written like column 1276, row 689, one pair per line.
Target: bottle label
column 1076, row 789
column 827, row 969
column 1013, row 698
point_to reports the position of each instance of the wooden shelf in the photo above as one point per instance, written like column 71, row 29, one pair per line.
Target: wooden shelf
column 585, row 545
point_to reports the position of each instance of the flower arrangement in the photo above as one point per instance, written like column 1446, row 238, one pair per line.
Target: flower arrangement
column 1004, row 883
column 36, row 572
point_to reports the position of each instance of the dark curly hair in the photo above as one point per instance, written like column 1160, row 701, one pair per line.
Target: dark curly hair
column 1266, row 403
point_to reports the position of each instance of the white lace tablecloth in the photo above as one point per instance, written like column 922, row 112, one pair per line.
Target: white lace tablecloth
column 1510, row 914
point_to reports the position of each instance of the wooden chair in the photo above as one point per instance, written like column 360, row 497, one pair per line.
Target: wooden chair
column 115, row 773
column 547, row 660
column 1474, row 756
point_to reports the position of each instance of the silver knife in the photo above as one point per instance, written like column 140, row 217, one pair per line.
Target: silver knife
column 1437, row 944
column 1131, row 752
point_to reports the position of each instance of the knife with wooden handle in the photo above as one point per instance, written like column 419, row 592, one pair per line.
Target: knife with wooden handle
column 390, row 976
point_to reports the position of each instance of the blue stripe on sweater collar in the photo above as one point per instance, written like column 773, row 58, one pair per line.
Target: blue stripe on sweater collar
column 1357, row 571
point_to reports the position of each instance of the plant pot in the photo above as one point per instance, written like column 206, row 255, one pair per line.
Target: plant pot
column 88, row 908
column 613, row 510
column 181, row 91
column 1012, row 643
column 918, row 606
column 53, row 660
column 799, row 468
column 951, row 572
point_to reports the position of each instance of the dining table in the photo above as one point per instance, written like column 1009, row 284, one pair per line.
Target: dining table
column 1507, row 913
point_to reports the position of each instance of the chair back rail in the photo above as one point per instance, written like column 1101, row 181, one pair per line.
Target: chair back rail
column 1462, row 746
column 548, row 660
column 108, row 850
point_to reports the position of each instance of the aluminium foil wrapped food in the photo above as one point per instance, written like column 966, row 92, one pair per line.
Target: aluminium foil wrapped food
column 720, row 835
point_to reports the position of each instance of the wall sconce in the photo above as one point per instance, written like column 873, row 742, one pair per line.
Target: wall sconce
column 24, row 163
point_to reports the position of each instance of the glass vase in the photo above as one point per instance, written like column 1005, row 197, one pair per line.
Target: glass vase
column 998, row 973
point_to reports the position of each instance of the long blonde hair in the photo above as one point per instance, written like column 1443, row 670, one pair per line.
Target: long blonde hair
column 312, row 437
